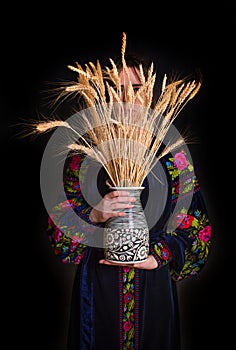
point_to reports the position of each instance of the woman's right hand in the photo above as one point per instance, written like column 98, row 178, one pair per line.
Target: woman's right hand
column 110, row 204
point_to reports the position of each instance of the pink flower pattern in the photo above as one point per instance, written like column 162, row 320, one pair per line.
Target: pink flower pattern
column 180, row 161
column 205, row 233
column 75, row 163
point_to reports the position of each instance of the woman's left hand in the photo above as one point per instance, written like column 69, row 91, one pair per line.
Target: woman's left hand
column 149, row 264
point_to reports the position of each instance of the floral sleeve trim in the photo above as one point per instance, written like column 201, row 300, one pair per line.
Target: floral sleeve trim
column 68, row 248
column 192, row 224
column 78, row 204
column 179, row 166
column 66, row 234
column 161, row 253
column 199, row 233
column 74, row 176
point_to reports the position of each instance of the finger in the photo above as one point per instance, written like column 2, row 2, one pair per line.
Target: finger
column 149, row 264
column 106, row 262
column 117, row 206
column 115, row 194
column 122, row 200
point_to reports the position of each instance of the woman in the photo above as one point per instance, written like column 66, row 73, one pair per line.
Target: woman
column 135, row 306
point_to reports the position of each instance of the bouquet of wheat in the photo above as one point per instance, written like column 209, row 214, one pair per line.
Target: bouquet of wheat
column 123, row 137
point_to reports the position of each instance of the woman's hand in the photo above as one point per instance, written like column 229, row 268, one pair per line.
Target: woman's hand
column 149, row 264
column 110, row 204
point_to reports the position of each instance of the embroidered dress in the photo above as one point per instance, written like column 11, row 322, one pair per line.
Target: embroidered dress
column 122, row 308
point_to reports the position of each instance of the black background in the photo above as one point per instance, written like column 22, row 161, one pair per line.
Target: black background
column 37, row 44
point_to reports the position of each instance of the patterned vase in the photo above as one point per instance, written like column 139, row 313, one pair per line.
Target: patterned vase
column 126, row 239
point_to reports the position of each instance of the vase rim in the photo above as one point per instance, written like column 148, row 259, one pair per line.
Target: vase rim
column 128, row 187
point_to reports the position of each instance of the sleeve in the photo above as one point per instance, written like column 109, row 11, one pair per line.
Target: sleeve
column 185, row 247
column 66, row 236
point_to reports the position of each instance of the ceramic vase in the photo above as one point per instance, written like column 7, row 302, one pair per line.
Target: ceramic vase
column 126, row 239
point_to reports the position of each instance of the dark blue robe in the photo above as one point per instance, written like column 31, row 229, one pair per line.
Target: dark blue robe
column 122, row 308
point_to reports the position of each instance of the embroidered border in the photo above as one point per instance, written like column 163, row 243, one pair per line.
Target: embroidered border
column 129, row 308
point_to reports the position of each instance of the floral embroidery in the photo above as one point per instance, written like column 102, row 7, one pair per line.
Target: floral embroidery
column 67, row 245
column 128, row 319
column 183, row 220
column 68, row 249
column 127, row 298
column 180, row 161
column 205, row 234
column 75, row 241
column 178, row 166
column 165, row 254
column 75, row 163
column 67, row 205
column 199, row 232
column 192, row 224
column 161, row 253
column 57, row 234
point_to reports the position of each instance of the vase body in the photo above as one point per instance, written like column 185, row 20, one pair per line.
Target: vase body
column 126, row 239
